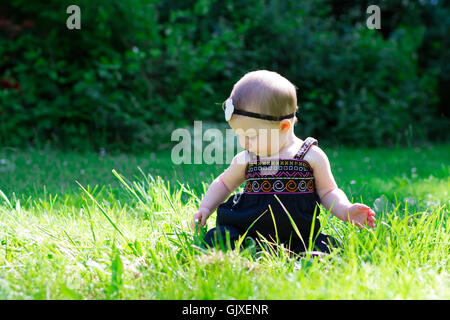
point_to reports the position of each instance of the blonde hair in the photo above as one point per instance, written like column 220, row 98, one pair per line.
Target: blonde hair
column 265, row 92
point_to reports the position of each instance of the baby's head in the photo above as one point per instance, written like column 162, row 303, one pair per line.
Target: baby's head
column 265, row 93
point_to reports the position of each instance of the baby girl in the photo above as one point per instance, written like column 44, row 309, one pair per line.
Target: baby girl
column 286, row 178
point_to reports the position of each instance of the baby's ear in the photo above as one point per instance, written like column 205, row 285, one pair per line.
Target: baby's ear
column 285, row 125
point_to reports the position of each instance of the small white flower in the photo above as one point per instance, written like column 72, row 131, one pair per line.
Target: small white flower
column 82, row 171
column 2, row 161
column 413, row 169
column 366, row 159
column 352, row 182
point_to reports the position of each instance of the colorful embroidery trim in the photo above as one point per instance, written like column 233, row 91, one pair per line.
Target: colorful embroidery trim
column 285, row 176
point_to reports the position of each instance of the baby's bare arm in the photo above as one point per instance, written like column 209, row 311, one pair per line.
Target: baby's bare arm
column 330, row 195
column 226, row 183
column 339, row 203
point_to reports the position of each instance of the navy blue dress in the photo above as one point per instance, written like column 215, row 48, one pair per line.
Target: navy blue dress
column 292, row 181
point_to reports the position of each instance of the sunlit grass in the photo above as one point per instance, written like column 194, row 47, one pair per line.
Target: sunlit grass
column 126, row 236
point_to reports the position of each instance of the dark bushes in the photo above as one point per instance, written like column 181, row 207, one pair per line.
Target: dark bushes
column 138, row 69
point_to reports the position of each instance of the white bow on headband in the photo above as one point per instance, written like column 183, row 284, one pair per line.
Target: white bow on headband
column 229, row 109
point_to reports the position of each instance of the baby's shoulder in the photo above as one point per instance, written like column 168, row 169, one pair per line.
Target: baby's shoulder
column 315, row 156
column 241, row 158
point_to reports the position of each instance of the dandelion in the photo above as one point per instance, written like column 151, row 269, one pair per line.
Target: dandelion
column 431, row 204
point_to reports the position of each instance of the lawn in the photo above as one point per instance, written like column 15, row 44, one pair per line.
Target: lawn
column 124, row 234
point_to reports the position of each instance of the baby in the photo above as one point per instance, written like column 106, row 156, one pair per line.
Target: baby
column 286, row 177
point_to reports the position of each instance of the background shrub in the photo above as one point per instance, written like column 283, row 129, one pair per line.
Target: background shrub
column 138, row 69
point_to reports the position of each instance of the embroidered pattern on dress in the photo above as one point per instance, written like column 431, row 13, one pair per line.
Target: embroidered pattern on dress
column 284, row 176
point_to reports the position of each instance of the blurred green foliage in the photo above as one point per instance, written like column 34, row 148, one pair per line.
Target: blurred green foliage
column 138, row 69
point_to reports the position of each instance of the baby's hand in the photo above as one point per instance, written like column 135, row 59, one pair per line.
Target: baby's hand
column 200, row 216
column 360, row 214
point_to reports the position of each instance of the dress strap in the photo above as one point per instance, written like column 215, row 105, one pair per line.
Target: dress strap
column 305, row 147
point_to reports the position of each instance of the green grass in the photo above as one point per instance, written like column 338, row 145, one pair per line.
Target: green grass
column 130, row 239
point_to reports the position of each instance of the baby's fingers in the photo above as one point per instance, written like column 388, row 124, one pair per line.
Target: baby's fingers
column 366, row 209
column 204, row 217
column 365, row 220
column 371, row 221
column 195, row 221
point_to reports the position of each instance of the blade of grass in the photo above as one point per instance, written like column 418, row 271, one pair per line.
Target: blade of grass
column 103, row 211
column 6, row 198
column 241, row 238
column 332, row 225
column 90, row 220
column 274, row 224
column 310, row 244
column 292, row 222
column 71, row 241
column 163, row 187
column 128, row 187
column 270, row 245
